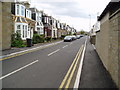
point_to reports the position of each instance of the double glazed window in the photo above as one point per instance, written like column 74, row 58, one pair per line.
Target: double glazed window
column 18, row 9
column 22, row 10
column 18, row 29
column 23, row 30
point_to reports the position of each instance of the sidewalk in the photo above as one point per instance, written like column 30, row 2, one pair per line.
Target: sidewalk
column 14, row 50
column 94, row 74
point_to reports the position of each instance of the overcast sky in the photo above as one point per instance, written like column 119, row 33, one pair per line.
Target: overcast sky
column 75, row 13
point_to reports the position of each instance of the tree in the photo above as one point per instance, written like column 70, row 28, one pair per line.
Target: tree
column 82, row 32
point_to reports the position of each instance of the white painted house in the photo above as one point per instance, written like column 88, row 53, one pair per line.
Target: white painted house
column 54, row 28
column 21, row 16
column 37, row 16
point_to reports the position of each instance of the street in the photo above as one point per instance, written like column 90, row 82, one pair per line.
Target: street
column 43, row 68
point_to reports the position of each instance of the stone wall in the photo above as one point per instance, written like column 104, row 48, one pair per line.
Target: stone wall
column 0, row 25
column 102, row 41
column 108, row 45
column 6, row 25
column 114, row 60
column 0, row 43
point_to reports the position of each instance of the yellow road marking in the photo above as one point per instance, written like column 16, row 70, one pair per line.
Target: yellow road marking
column 72, row 73
column 65, row 78
column 25, row 52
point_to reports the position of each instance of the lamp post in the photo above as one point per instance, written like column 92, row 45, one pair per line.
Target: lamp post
column 90, row 22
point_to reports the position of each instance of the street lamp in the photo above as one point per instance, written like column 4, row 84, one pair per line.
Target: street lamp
column 90, row 22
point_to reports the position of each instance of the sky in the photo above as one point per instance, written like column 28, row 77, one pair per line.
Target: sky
column 80, row 14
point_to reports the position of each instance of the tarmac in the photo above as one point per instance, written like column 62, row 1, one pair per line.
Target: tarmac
column 94, row 75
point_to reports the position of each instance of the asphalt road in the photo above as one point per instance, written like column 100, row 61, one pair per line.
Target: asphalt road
column 44, row 68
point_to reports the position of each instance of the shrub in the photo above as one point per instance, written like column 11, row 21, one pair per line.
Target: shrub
column 54, row 38
column 37, row 39
column 62, row 36
column 48, row 38
column 16, row 40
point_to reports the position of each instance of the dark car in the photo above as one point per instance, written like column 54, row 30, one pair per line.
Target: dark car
column 68, row 38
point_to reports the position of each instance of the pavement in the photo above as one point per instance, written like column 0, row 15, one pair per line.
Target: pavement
column 14, row 49
column 94, row 75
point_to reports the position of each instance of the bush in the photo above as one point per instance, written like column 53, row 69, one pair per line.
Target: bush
column 63, row 36
column 48, row 38
column 37, row 39
column 16, row 41
column 54, row 38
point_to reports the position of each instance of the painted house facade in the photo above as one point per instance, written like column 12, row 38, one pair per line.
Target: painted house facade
column 21, row 14
column 37, row 16
column 47, row 22
column 54, row 27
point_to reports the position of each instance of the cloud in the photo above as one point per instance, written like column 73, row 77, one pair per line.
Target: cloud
column 73, row 12
column 64, row 8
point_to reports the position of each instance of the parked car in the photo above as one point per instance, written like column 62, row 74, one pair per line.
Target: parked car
column 81, row 35
column 74, row 37
column 78, row 36
column 68, row 38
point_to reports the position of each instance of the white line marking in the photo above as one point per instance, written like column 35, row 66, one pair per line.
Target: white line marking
column 31, row 49
column 77, row 81
column 94, row 46
column 18, row 70
column 65, row 46
column 54, row 52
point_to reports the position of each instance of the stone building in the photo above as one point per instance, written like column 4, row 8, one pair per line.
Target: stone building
column 5, row 25
column 108, row 40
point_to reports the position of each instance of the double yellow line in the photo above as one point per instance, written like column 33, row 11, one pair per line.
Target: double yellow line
column 67, row 79
column 19, row 54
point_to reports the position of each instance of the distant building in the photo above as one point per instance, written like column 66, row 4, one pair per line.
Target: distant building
column 47, row 22
column 54, row 27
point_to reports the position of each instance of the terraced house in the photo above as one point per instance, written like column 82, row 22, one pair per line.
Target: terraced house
column 47, row 22
column 22, row 20
column 37, row 16
column 54, row 27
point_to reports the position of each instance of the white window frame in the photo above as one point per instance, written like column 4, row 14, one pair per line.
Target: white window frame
column 23, row 31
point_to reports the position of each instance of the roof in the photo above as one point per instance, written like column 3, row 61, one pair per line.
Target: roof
column 111, row 7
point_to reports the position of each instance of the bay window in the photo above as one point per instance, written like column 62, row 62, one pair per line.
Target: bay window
column 18, row 29
column 22, row 29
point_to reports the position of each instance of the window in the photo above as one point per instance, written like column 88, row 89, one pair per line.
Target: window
column 25, row 30
column 18, row 9
column 22, row 10
column 27, row 13
column 18, row 29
